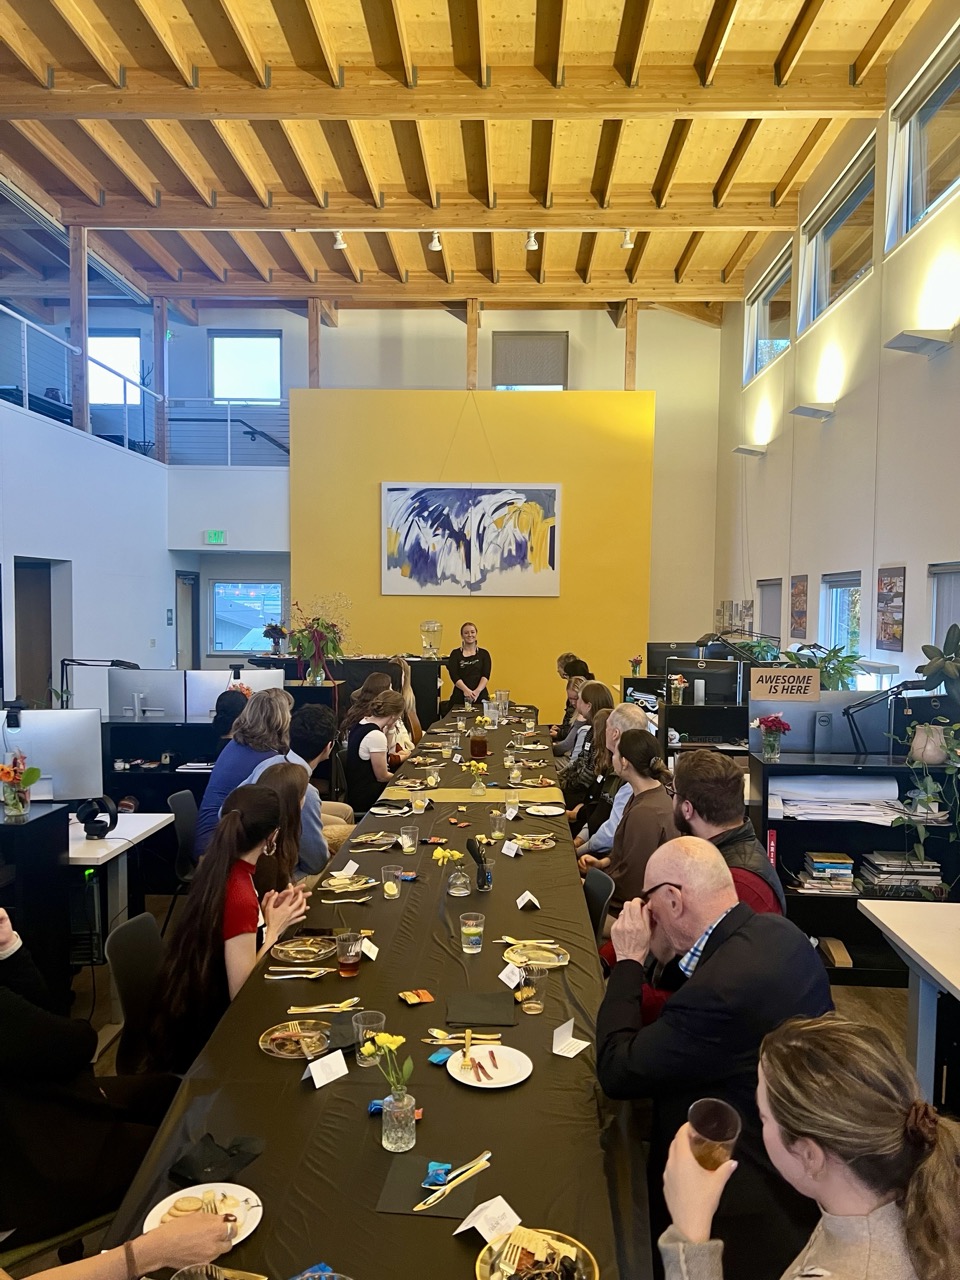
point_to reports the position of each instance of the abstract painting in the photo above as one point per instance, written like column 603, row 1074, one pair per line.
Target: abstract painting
column 798, row 606
column 890, row 596
column 470, row 539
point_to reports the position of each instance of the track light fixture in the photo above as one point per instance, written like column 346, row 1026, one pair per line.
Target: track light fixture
column 531, row 242
column 338, row 240
column 435, row 244
column 627, row 241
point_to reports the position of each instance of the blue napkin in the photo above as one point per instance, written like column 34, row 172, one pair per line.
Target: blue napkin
column 318, row 1269
column 440, row 1057
column 436, row 1175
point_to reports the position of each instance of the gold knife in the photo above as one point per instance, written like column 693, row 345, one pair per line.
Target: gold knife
column 436, row 1196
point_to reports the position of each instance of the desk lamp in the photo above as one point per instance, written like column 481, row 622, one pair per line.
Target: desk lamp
column 853, row 709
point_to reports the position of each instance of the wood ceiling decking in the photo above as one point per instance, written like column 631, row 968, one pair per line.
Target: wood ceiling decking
column 216, row 146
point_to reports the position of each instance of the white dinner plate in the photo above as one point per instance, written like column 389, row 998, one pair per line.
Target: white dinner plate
column 546, row 810
column 513, row 1067
column 386, row 811
column 248, row 1214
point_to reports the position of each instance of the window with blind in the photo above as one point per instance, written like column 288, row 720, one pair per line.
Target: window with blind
column 925, row 158
column 946, row 598
column 840, row 614
column 837, row 243
column 530, row 361
column 770, row 600
column 767, row 328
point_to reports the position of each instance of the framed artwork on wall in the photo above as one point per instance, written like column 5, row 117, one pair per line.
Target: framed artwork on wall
column 890, row 598
column 798, row 606
column 470, row 539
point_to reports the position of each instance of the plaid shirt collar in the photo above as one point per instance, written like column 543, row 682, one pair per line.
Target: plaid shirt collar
column 689, row 962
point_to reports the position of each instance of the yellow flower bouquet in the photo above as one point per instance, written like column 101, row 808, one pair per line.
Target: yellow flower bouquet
column 383, row 1047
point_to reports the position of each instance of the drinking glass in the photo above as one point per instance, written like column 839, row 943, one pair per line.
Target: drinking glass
column 509, row 759
column 348, row 954
column 530, row 723
column 511, row 800
column 515, row 775
column 409, row 839
column 365, row 1026
column 390, row 876
column 455, row 741
column 714, row 1130
column 471, row 933
column 485, row 874
column 534, row 988
column 446, row 752
column 418, row 803
column 498, row 824
column 503, row 697
column 461, row 724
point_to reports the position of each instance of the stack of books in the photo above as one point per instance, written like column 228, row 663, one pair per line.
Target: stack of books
column 828, row 873
column 884, row 868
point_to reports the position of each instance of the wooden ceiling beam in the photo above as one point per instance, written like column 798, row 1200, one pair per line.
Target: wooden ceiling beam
column 237, row 137
column 37, row 311
column 518, row 93
column 151, row 246
column 24, row 45
column 445, row 261
column 12, row 254
column 634, row 26
column 255, row 251
column 329, row 315
column 56, row 286
column 560, row 63
column 679, row 133
column 187, row 156
column 302, row 137
column 188, row 312
column 608, row 151
column 734, row 161
column 427, row 170
column 542, row 267
column 61, row 157
column 586, row 255
column 366, row 164
column 82, row 22
column 295, row 241
column 551, row 157
column 350, row 260
column 689, row 249
column 708, row 313
column 155, row 13
column 406, row 58
column 488, row 166
column 718, row 28
column 870, row 52
column 235, row 11
column 494, row 269
column 804, row 156
column 125, row 157
column 793, row 46
column 640, row 243
column 737, row 256
column 483, row 67
column 207, row 252
column 397, row 256
column 327, row 50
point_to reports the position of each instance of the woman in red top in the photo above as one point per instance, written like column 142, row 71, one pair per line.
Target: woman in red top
column 214, row 949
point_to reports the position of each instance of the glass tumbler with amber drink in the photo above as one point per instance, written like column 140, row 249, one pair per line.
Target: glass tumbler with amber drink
column 714, row 1130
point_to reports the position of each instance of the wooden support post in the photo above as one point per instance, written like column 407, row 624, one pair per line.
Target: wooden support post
column 314, row 313
column 630, row 358
column 79, row 371
column 473, row 331
column 161, row 443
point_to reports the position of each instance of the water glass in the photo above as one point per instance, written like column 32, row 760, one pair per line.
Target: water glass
column 515, row 776
column 446, row 752
column 418, row 803
column 471, row 933
column 530, row 723
column 365, row 1026
column 534, row 988
column 409, row 839
column 498, row 824
column 455, row 741
column 461, row 724
column 511, row 800
column 348, row 954
column 509, row 760
column 391, row 880
column 714, row 1130
column 503, row 698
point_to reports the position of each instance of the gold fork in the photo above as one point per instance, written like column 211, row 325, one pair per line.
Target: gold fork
column 507, row 1262
column 209, row 1202
column 466, row 1062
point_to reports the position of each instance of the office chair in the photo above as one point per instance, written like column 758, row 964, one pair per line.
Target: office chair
column 183, row 806
column 133, row 953
column 598, row 889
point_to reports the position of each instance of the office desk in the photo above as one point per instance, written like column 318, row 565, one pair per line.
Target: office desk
column 926, row 936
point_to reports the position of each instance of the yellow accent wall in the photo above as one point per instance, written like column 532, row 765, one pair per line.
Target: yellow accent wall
column 597, row 444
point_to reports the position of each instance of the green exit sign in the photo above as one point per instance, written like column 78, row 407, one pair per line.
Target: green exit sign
column 215, row 537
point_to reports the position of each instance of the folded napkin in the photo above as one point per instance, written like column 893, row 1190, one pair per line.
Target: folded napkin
column 402, row 1190
column 207, row 1161
column 440, row 1057
column 436, row 1175
column 482, row 1009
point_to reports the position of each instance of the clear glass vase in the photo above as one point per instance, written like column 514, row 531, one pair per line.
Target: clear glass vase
column 16, row 803
column 458, row 884
column 479, row 787
column 399, row 1122
column 770, row 742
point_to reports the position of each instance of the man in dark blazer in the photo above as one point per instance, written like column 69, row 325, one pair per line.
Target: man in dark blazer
column 740, row 974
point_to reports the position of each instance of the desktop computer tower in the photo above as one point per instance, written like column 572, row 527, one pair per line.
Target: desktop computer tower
column 86, row 918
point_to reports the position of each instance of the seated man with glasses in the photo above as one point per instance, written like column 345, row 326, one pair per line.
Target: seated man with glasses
column 741, row 974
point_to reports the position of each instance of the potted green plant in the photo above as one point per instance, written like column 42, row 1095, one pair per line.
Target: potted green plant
column 838, row 670
column 943, row 665
column 315, row 638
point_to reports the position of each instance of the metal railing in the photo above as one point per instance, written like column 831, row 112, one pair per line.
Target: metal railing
column 228, row 433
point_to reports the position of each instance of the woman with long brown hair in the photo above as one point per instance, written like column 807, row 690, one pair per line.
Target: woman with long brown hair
column 214, row 949
column 603, row 783
column 290, row 782
column 843, row 1123
column 576, row 774
column 365, row 765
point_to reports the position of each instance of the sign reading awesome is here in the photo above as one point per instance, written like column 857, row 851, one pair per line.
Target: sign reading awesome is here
column 786, row 683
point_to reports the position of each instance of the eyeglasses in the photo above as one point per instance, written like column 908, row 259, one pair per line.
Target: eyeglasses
column 647, row 894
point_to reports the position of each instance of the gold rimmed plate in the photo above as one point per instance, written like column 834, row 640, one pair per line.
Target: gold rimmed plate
column 304, row 1038
column 547, row 955
column 534, row 842
column 487, row 1269
column 304, row 950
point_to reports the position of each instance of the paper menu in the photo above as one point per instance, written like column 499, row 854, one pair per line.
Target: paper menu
column 492, row 1218
column 564, row 1043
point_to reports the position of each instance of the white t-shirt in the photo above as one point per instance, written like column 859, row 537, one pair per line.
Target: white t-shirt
column 376, row 740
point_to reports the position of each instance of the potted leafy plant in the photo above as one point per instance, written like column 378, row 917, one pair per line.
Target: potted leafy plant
column 943, row 665
column 838, row 670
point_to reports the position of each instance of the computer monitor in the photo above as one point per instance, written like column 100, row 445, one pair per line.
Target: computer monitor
column 147, row 695
column 64, row 746
column 205, row 687
column 822, row 727
column 658, row 651
column 721, row 680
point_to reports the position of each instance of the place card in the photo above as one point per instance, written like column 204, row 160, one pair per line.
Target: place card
column 369, row 949
column 458, row 758
column 323, row 1070
column 511, row 849
column 512, row 812
column 511, row 975
column 564, row 1043
column 492, row 1218
column 350, row 869
column 527, row 899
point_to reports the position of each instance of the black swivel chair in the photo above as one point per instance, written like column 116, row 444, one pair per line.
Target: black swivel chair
column 598, row 889
column 183, row 806
column 133, row 953
column 338, row 776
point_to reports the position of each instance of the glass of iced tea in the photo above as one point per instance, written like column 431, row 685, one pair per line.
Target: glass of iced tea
column 348, row 954
column 714, row 1130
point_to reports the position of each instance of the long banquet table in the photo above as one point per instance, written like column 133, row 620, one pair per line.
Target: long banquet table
column 323, row 1167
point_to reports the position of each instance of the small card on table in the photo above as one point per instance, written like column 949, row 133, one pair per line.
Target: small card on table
column 350, row 869
column 511, row 849
column 369, row 949
column 527, row 899
column 564, row 1043
column 512, row 812
column 511, row 975
column 492, row 1218
column 323, row 1070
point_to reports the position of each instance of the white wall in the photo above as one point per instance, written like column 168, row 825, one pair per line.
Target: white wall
column 251, row 504
column 874, row 486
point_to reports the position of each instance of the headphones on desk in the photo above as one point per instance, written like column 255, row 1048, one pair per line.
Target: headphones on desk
column 92, row 814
